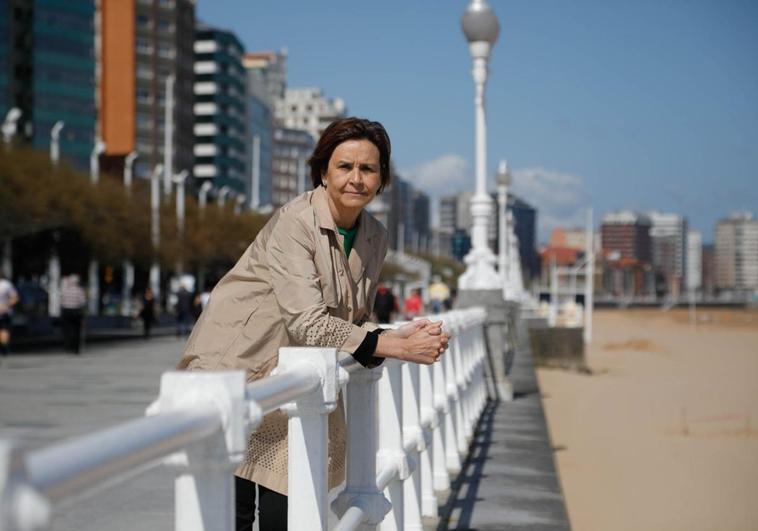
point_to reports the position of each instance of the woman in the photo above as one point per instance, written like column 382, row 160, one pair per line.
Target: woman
column 308, row 279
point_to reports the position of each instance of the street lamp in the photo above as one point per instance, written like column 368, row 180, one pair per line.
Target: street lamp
column 503, row 181
column 129, row 169
column 94, row 160
column 55, row 134
column 179, row 181
column 203, row 195
column 222, row 193
column 240, row 201
column 255, row 173
column 155, row 228
column 168, row 138
column 481, row 29
column 10, row 125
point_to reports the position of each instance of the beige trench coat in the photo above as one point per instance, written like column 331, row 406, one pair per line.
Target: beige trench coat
column 292, row 286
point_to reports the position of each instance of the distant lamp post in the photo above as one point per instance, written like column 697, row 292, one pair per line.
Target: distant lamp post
column 93, row 273
column 10, row 125
column 168, row 139
column 179, row 181
column 94, row 160
column 55, row 147
column 155, row 228
column 129, row 169
column 481, row 29
column 203, row 194
column 503, row 182
column 255, row 173
column 240, row 201
column 222, row 194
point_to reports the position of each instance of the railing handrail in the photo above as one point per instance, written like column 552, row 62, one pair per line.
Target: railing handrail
column 229, row 408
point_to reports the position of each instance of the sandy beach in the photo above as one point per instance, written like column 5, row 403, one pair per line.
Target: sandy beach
column 663, row 435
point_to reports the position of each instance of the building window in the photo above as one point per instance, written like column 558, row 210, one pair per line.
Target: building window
column 166, row 50
column 165, row 25
column 144, row 47
column 144, row 121
column 144, row 96
column 144, row 72
column 166, row 3
column 143, row 21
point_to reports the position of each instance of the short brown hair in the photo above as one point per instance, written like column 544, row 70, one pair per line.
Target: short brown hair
column 346, row 129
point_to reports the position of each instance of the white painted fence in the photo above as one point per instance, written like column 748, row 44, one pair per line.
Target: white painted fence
column 409, row 426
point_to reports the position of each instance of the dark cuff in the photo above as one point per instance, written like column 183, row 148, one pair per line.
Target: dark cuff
column 364, row 354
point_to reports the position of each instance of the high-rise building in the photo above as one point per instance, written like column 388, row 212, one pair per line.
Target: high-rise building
column 627, row 233
column 267, row 74
column 525, row 228
column 668, row 237
column 309, row 110
column 736, row 253
column 709, row 269
column 142, row 44
column 448, row 213
column 47, row 71
column 694, row 277
column 221, row 115
column 291, row 173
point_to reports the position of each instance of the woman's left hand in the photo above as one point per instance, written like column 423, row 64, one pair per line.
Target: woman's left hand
column 433, row 328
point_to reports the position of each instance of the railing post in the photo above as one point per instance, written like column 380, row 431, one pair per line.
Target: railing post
column 430, row 425
column 391, row 452
column 307, row 480
column 439, row 436
column 413, row 440
column 21, row 507
column 453, row 418
column 204, row 487
column 362, row 437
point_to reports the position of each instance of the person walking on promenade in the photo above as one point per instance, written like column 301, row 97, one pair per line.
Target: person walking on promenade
column 147, row 312
column 414, row 304
column 73, row 302
column 184, row 301
column 385, row 304
column 308, row 279
column 8, row 299
column 438, row 294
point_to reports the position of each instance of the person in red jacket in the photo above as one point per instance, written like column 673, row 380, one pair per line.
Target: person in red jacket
column 414, row 305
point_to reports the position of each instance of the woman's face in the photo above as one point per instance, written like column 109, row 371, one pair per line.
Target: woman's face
column 352, row 178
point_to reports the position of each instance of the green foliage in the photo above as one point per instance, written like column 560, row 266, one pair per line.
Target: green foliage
column 114, row 225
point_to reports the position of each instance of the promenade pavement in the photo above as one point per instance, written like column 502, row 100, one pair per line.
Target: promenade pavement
column 510, row 481
column 48, row 396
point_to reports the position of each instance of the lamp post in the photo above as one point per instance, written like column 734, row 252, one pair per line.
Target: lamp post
column 128, row 284
column 503, row 181
column 481, row 29
column 240, row 201
column 589, row 279
column 10, row 125
column 203, row 194
column 168, row 138
column 255, row 175
column 155, row 228
column 129, row 170
column 222, row 193
column 55, row 135
column 93, row 273
column 54, row 264
column 179, row 181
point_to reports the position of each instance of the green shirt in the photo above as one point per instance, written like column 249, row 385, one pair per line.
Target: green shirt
column 349, row 235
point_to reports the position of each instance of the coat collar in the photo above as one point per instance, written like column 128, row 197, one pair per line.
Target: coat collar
column 367, row 231
column 320, row 202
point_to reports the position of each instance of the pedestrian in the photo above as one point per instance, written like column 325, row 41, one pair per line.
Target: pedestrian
column 147, row 312
column 73, row 302
column 183, row 310
column 438, row 294
column 8, row 299
column 308, row 279
column 385, row 304
column 414, row 305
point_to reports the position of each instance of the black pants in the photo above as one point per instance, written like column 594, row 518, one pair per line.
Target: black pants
column 71, row 324
column 272, row 507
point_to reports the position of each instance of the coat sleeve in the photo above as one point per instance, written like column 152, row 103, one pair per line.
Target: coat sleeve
column 297, row 289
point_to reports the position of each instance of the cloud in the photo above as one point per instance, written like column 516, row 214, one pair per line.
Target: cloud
column 560, row 198
column 442, row 176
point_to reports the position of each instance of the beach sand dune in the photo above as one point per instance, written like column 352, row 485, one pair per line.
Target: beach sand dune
column 663, row 435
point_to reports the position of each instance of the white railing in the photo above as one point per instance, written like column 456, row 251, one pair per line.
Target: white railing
column 409, row 426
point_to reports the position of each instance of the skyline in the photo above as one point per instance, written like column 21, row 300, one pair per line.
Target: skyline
column 647, row 106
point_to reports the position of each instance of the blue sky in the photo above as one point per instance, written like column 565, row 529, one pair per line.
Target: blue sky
column 616, row 104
